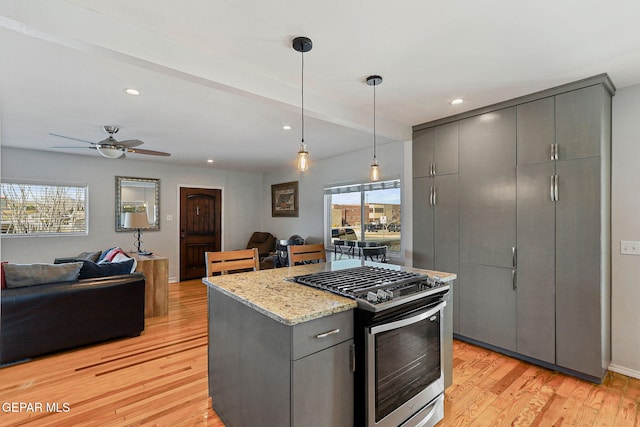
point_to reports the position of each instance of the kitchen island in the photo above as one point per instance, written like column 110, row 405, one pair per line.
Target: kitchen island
column 281, row 353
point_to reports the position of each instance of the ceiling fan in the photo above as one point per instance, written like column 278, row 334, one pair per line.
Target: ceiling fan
column 112, row 148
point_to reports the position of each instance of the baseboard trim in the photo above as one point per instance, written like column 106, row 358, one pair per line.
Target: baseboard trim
column 624, row 371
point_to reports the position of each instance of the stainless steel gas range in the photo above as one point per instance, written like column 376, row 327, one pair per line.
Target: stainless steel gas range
column 398, row 334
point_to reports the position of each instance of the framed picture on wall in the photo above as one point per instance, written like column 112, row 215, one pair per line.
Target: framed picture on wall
column 284, row 199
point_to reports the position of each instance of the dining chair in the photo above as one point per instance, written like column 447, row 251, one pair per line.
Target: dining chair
column 306, row 253
column 231, row 261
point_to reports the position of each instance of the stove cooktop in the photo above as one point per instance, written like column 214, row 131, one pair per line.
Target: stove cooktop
column 375, row 288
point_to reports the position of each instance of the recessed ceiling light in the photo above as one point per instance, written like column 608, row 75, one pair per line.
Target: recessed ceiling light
column 286, row 127
column 131, row 91
column 457, row 101
column 210, row 161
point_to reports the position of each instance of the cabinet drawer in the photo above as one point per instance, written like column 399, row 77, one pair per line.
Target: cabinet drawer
column 318, row 334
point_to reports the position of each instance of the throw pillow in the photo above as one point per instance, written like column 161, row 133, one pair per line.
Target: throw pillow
column 108, row 257
column 91, row 256
column 19, row 275
column 122, row 257
column 104, row 253
column 91, row 269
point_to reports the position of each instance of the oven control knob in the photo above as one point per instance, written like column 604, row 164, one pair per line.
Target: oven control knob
column 389, row 294
column 382, row 296
column 372, row 297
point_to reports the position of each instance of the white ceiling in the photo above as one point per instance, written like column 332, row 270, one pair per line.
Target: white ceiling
column 219, row 78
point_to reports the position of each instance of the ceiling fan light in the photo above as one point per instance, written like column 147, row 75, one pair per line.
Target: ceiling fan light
column 111, row 153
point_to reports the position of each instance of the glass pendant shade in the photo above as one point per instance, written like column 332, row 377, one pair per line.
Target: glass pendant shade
column 303, row 158
column 375, row 171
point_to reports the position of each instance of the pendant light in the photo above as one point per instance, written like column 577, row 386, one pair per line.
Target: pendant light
column 375, row 168
column 302, row 45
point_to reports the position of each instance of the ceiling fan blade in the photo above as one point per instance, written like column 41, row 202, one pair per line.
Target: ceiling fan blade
column 151, row 152
column 68, row 137
column 62, row 146
column 131, row 143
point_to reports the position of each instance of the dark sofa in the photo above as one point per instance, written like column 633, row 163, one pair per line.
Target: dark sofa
column 37, row 320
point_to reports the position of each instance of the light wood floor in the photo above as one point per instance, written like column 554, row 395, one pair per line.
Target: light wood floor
column 160, row 378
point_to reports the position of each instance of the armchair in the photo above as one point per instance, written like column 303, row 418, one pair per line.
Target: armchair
column 266, row 244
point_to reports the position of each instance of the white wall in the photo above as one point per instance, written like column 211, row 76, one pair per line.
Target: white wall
column 625, row 307
column 242, row 197
column 347, row 168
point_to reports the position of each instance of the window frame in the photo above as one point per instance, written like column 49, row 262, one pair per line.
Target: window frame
column 362, row 188
column 74, row 186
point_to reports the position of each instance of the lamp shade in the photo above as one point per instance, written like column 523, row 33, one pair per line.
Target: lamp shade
column 136, row 220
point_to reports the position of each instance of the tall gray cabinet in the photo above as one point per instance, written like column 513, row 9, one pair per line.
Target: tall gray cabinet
column 534, row 226
column 435, row 202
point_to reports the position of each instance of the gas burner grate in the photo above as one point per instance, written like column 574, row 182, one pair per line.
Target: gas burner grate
column 358, row 281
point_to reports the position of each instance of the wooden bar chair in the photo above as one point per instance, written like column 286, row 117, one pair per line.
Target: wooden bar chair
column 306, row 253
column 230, row 261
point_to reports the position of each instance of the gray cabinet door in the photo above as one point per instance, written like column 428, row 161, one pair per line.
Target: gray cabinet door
column 579, row 122
column 446, row 232
column 488, row 188
column 536, row 262
column 579, row 297
column 423, row 224
column 536, row 131
column 445, row 148
column 422, row 152
column 322, row 393
column 488, row 305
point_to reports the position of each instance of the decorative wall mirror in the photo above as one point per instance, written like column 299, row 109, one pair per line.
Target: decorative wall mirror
column 136, row 195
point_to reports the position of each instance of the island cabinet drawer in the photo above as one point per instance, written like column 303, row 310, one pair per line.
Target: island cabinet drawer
column 315, row 335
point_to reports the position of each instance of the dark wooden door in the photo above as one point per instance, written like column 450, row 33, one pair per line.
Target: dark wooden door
column 200, row 220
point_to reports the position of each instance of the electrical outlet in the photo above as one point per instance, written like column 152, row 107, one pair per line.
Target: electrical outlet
column 169, row 217
column 629, row 247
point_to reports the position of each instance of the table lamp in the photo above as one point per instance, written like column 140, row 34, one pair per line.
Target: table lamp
column 137, row 221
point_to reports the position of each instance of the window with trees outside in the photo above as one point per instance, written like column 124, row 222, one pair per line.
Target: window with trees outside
column 365, row 212
column 32, row 209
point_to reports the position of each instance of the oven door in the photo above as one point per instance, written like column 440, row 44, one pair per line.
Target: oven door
column 404, row 366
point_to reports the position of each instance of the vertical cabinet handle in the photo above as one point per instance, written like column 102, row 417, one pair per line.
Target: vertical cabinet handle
column 514, row 279
column 552, row 193
column 435, row 195
column 434, row 169
column 431, row 196
column 555, row 153
column 352, row 353
column 556, row 195
column 514, row 256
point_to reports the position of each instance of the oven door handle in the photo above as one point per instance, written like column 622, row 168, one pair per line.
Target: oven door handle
column 408, row 321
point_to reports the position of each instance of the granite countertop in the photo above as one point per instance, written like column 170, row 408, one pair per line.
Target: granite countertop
column 270, row 293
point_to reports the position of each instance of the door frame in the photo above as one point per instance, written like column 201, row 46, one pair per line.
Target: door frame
column 177, row 224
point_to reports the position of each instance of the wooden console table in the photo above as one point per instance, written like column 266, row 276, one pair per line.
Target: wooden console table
column 156, row 271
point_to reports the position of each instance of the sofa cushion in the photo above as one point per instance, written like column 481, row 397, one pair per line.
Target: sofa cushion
column 91, row 269
column 19, row 275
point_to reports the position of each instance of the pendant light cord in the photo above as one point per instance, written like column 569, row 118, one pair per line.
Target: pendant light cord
column 302, row 53
column 374, row 121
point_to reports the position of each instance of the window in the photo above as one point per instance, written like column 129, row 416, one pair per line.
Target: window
column 43, row 209
column 365, row 212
